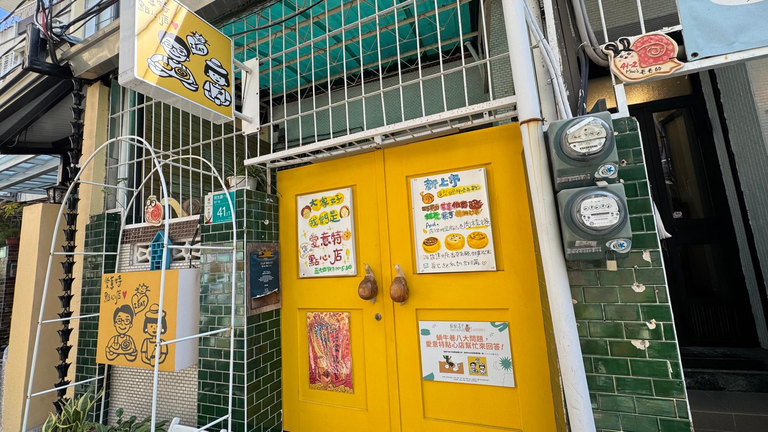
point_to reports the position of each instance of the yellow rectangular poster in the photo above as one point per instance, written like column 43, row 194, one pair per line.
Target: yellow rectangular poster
column 129, row 319
column 177, row 57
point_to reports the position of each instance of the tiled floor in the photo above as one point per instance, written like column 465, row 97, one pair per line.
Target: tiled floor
column 714, row 411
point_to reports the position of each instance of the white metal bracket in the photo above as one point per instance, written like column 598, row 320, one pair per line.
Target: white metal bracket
column 251, row 106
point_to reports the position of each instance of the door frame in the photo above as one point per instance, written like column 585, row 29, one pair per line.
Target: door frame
column 704, row 133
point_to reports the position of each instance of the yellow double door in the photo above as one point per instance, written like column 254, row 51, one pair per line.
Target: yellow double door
column 388, row 389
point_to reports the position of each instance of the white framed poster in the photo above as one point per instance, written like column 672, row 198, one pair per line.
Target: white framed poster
column 326, row 234
column 471, row 352
column 452, row 222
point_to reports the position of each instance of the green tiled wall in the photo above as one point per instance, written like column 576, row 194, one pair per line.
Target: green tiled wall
column 101, row 234
column 257, row 401
column 632, row 389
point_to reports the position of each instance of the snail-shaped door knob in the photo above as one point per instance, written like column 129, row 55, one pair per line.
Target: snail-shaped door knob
column 398, row 291
column 368, row 288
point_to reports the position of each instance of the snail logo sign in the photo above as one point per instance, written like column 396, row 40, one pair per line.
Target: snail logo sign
column 646, row 56
column 171, row 54
column 131, row 319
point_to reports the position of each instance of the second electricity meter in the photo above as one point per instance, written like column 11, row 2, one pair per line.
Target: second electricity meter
column 583, row 151
column 594, row 221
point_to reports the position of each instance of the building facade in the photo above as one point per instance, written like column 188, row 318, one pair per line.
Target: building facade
column 368, row 100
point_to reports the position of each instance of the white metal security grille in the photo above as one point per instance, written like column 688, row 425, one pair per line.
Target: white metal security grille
column 339, row 76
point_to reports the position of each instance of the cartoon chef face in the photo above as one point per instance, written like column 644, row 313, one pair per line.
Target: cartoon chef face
column 175, row 47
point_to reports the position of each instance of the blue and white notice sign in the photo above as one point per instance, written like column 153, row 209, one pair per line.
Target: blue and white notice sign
column 716, row 27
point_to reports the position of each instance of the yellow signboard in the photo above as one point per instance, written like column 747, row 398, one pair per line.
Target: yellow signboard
column 129, row 319
column 169, row 53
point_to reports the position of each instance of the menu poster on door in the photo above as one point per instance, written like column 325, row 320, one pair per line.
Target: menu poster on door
column 326, row 234
column 452, row 222
column 466, row 352
column 330, row 356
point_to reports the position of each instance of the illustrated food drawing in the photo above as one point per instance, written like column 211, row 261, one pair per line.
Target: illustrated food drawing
column 477, row 240
column 431, row 244
column 454, row 241
column 427, row 198
column 344, row 211
column 306, row 211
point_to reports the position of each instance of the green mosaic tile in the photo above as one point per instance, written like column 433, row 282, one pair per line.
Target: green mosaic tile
column 617, row 403
column 629, row 295
column 594, row 347
column 636, row 423
column 606, row 420
column 611, row 366
column 600, row 383
column 650, row 368
column 642, row 331
column 577, row 278
column 650, row 276
column 585, row 311
column 600, row 295
column 622, row 312
column 619, row 277
column 669, row 388
column 635, row 386
column 625, row 349
column 682, row 409
column 610, row 330
column 663, row 350
column 669, row 425
column 661, row 313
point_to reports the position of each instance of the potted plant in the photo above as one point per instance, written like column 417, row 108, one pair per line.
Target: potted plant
column 248, row 177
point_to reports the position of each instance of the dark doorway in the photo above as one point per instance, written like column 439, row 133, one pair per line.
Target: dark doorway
column 704, row 273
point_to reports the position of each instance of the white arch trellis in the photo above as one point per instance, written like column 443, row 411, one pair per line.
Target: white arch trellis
column 158, row 164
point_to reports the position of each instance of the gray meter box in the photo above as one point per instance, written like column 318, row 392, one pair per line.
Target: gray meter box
column 583, row 151
column 595, row 222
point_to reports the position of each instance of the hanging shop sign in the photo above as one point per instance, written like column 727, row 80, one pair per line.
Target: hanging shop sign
column 217, row 208
column 330, row 356
column 171, row 54
column 264, row 269
column 717, row 27
column 452, row 222
column 466, row 352
column 643, row 57
column 326, row 234
column 130, row 319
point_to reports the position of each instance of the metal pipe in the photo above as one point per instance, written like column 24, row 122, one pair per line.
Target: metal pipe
column 570, row 359
column 194, row 336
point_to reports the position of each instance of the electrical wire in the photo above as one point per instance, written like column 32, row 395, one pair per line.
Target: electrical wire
column 11, row 13
column 561, row 95
column 586, row 34
column 289, row 17
column 581, row 108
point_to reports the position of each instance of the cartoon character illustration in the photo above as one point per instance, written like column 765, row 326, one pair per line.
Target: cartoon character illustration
column 148, row 348
column 122, row 344
column 477, row 367
column 172, row 64
column 140, row 300
column 197, row 44
column 153, row 211
column 648, row 55
column 214, row 89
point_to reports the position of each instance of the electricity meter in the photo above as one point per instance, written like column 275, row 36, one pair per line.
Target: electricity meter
column 594, row 221
column 583, row 151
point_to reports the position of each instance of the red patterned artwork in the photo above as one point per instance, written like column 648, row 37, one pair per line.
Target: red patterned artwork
column 330, row 356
